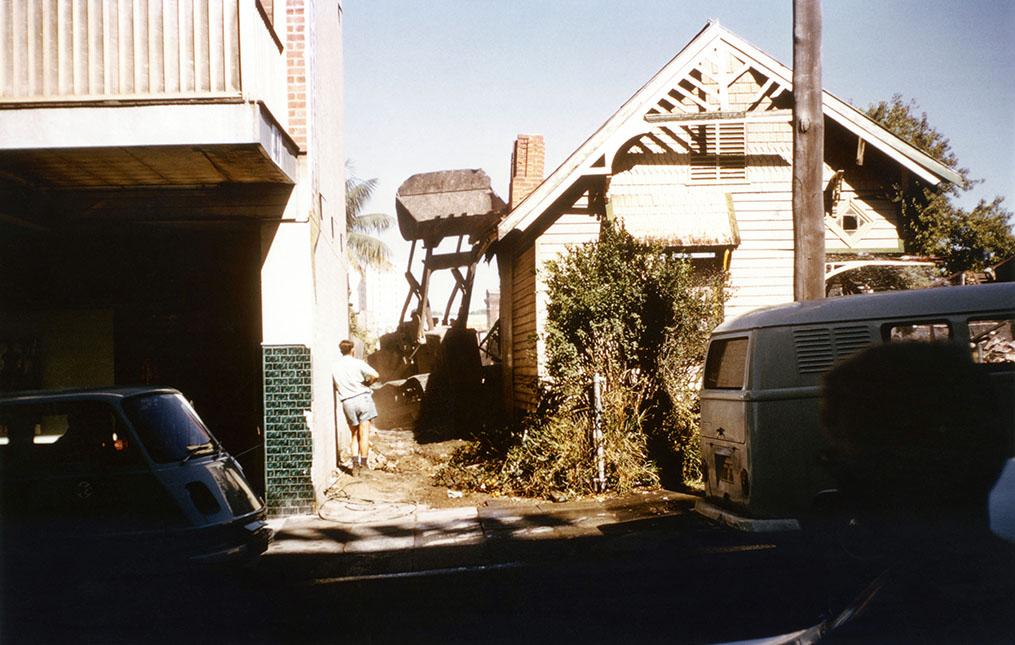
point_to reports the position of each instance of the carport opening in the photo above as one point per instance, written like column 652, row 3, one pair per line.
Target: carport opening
column 140, row 304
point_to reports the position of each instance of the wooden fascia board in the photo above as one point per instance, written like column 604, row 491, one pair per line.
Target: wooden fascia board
column 571, row 170
column 922, row 164
column 913, row 158
column 548, row 216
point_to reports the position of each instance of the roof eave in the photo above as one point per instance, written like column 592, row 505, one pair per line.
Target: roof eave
column 846, row 115
column 914, row 159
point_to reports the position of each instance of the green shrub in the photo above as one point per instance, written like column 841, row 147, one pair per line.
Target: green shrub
column 640, row 317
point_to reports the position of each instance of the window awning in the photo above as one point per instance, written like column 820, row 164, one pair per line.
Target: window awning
column 676, row 217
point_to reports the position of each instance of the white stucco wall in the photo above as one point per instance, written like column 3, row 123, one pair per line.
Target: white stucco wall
column 304, row 285
column 327, row 158
column 303, row 279
column 287, row 293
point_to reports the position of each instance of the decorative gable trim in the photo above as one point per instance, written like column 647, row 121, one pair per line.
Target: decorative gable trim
column 607, row 138
column 849, row 222
column 696, row 86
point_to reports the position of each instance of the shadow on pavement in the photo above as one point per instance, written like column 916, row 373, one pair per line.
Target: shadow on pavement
column 538, row 576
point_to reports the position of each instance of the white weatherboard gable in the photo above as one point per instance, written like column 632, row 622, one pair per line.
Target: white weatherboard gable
column 635, row 117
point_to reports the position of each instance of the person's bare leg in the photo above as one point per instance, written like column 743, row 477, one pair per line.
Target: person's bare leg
column 353, row 447
column 364, row 440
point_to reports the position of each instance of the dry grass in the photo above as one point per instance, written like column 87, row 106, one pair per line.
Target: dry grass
column 553, row 453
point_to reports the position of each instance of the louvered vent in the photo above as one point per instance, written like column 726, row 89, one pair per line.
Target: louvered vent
column 850, row 340
column 817, row 350
column 720, row 154
column 814, row 352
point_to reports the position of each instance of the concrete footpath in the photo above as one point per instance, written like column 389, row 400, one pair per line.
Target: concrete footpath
column 368, row 532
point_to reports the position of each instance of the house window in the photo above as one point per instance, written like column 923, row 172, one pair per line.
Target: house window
column 850, row 222
column 720, row 153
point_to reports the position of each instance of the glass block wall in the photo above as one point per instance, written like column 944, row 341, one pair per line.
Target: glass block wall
column 287, row 443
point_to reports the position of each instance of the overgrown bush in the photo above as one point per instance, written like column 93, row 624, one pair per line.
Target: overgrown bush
column 639, row 317
column 556, row 453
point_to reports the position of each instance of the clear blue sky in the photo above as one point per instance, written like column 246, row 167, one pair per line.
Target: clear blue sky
column 439, row 84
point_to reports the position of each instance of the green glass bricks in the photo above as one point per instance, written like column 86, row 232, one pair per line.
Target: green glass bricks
column 287, row 443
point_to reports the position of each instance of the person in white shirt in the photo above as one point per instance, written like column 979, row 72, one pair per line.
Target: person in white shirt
column 352, row 377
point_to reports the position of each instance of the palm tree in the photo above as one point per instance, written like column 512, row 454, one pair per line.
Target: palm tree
column 364, row 248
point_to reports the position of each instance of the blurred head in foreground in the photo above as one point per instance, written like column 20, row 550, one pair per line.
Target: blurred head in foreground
column 914, row 434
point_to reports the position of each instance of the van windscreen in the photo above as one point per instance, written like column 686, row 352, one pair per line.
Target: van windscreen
column 724, row 368
column 169, row 428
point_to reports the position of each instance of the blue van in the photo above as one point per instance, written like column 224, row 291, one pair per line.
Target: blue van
column 124, row 476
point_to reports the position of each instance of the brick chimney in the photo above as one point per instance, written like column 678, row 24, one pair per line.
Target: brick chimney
column 526, row 167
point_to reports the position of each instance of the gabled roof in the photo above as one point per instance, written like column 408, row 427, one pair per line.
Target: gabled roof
column 581, row 160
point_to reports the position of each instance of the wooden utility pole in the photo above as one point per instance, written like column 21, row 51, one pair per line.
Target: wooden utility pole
column 808, row 153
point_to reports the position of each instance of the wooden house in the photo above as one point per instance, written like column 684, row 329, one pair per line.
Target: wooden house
column 700, row 160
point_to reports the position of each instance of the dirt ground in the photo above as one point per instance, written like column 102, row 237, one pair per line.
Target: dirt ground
column 402, row 470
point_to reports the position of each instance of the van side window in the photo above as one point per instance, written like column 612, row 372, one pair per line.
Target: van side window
column 991, row 340
column 724, row 368
column 62, row 435
column 921, row 332
column 19, row 430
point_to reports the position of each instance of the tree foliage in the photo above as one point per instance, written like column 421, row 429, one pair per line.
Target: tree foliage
column 365, row 249
column 932, row 224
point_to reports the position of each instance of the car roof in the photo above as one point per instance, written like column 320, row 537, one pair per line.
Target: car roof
column 82, row 394
column 931, row 302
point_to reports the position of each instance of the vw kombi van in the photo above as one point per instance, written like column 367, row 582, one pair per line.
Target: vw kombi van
column 761, row 438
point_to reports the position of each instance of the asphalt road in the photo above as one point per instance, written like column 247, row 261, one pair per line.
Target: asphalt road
column 680, row 580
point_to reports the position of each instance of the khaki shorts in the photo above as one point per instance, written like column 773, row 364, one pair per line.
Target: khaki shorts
column 359, row 408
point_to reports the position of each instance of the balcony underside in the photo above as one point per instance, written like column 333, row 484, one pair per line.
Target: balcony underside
column 173, row 162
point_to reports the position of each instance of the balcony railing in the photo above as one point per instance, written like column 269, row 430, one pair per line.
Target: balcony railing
column 79, row 51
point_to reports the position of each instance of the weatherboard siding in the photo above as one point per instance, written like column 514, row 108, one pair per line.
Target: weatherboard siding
column 665, row 165
column 523, row 326
column 568, row 231
column 761, row 267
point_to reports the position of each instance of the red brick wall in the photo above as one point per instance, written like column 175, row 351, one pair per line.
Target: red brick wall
column 526, row 166
column 297, row 73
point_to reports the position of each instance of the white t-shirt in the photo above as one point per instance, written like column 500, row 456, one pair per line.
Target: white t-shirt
column 349, row 373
